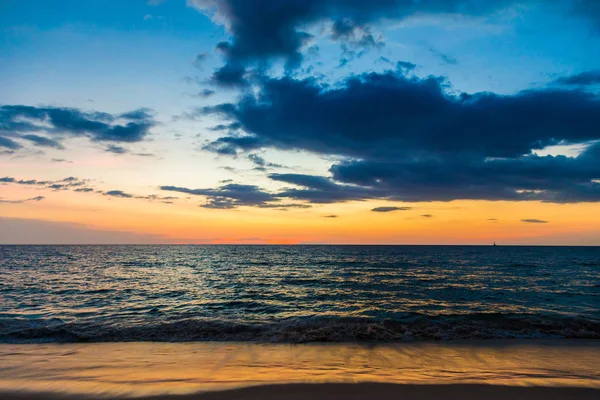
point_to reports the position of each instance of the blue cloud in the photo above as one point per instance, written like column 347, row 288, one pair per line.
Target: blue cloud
column 587, row 78
column 234, row 195
column 9, row 143
column 23, row 121
column 410, row 139
column 116, row 149
column 43, row 141
column 118, row 193
column 266, row 30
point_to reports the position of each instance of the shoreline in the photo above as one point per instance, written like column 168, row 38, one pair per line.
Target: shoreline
column 352, row 391
column 147, row 369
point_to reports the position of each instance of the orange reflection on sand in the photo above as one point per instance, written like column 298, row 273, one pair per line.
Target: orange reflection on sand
column 156, row 368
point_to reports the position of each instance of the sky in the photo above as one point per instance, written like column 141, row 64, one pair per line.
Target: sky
column 300, row 121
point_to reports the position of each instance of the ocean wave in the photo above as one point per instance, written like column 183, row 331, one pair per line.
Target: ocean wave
column 303, row 330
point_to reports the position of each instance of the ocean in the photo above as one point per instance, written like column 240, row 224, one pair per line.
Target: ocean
column 297, row 294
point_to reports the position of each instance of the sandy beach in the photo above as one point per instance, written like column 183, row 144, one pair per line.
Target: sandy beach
column 210, row 370
column 335, row 391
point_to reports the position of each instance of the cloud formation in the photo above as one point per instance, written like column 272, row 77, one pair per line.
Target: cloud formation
column 410, row 139
column 587, row 78
column 37, row 198
column 266, row 30
column 42, row 141
column 321, row 190
column 9, row 143
column 56, row 123
column 263, row 31
column 390, row 209
column 118, row 193
column 534, row 221
column 261, row 164
column 62, row 184
column 81, row 186
column 234, row 195
column 116, row 149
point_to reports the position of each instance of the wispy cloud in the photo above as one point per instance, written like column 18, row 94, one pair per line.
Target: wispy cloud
column 37, row 198
column 534, row 221
column 390, row 209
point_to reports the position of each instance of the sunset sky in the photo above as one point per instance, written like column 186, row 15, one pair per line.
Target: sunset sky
column 300, row 121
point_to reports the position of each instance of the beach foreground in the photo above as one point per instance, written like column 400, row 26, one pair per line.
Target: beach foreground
column 360, row 391
column 211, row 370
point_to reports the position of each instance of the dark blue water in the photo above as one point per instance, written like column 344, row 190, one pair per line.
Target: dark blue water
column 297, row 293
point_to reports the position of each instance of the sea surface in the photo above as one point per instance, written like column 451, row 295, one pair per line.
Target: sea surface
column 297, row 293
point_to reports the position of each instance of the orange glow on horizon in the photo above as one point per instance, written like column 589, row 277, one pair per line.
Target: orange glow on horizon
column 458, row 222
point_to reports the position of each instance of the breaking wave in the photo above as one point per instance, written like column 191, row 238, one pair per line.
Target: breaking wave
column 303, row 330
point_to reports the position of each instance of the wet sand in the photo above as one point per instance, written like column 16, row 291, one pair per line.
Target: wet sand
column 361, row 391
column 448, row 370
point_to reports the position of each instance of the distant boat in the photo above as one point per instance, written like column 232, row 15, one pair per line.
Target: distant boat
column 495, row 245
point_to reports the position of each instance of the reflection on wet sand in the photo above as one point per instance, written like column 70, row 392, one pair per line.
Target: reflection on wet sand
column 175, row 368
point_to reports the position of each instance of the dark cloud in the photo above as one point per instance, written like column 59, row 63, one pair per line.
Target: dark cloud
column 427, row 215
column 228, row 196
column 118, row 193
column 534, row 221
column 141, row 114
column 583, row 79
column 264, row 30
column 261, row 163
column 206, row 93
column 116, row 149
column 24, row 121
column 320, row 190
column 230, row 145
column 390, row 209
column 406, row 138
column 65, row 183
column 405, row 66
column 330, row 216
column 230, row 75
column 234, row 195
column 43, row 141
column 8, row 143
